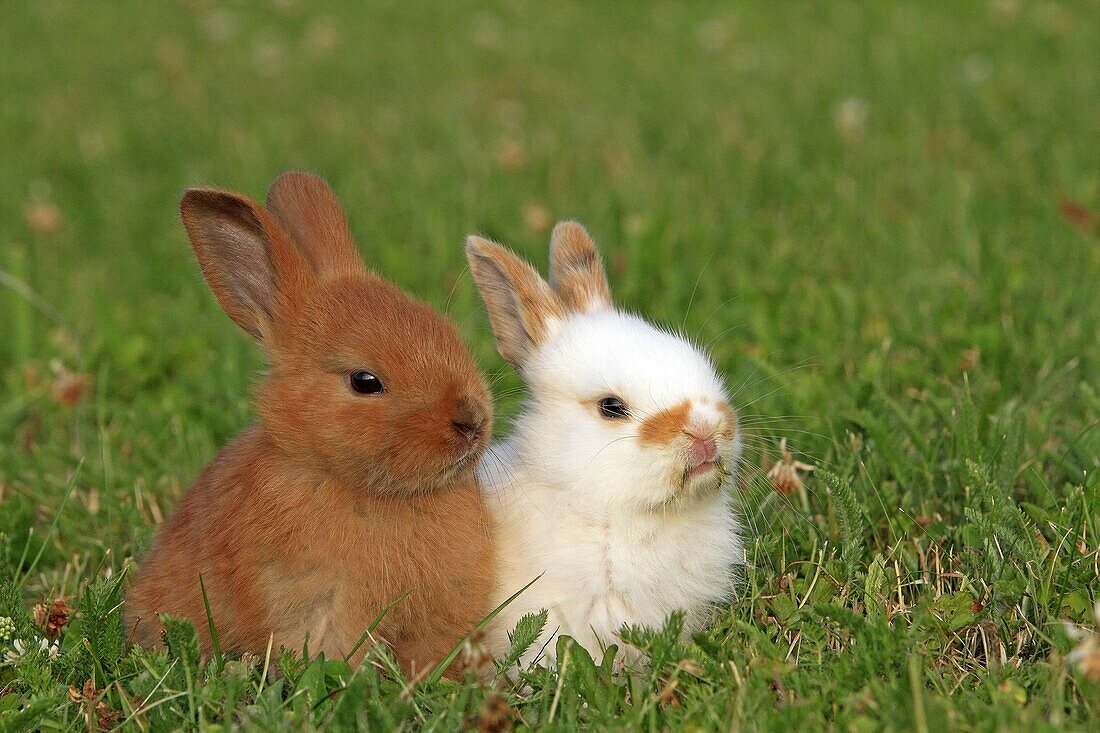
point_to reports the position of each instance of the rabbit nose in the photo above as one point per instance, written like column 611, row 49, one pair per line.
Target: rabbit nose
column 703, row 450
column 470, row 431
column 469, row 421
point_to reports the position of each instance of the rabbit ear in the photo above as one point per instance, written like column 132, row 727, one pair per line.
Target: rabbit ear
column 245, row 256
column 521, row 305
column 576, row 270
column 308, row 209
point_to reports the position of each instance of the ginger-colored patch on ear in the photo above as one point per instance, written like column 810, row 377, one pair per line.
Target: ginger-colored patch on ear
column 576, row 270
column 520, row 303
column 665, row 426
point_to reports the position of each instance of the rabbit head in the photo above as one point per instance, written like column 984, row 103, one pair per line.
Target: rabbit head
column 365, row 382
column 634, row 414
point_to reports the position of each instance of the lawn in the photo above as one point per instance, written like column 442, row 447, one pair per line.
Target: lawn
column 882, row 219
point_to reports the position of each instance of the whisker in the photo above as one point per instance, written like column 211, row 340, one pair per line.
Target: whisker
column 691, row 300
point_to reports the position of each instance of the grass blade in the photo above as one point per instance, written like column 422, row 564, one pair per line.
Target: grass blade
column 214, row 642
column 374, row 624
column 21, row 577
column 437, row 673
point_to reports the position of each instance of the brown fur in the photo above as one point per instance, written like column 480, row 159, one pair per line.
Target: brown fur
column 665, row 426
column 228, row 227
column 520, row 303
column 576, row 270
column 333, row 504
column 311, row 214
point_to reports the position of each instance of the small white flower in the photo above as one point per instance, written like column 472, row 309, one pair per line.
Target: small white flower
column 11, row 656
column 850, row 117
column 487, row 31
column 220, row 25
column 52, row 650
column 976, row 68
column 712, row 35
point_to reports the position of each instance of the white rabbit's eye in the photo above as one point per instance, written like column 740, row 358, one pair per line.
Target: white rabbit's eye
column 613, row 408
column 365, row 383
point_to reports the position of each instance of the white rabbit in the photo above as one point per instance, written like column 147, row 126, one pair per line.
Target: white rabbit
column 614, row 484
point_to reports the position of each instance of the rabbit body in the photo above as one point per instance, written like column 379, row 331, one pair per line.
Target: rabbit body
column 356, row 484
column 601, row 571
column 277, row 563
column 614, row 483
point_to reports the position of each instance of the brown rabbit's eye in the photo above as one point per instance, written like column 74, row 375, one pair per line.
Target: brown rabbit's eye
column 365, row 383
column 613, row 408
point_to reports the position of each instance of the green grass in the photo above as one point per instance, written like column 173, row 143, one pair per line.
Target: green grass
column 876, row 215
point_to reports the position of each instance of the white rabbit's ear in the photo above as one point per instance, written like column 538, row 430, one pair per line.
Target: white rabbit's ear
column 308, row 209
column 576, row 270
column 521, row 305
column 248, row 260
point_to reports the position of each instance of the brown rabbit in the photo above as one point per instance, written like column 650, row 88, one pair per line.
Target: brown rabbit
column 356, row 484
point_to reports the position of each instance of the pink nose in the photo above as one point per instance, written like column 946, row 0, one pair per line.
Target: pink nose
column 703, row 450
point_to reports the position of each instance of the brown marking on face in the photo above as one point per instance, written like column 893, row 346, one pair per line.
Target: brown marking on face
column 576, row 270
column 665, row 426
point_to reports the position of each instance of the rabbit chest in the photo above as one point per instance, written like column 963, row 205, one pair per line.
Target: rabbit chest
column 601, row 573
column 341, row 568
column 328, row 580
column 641, row 568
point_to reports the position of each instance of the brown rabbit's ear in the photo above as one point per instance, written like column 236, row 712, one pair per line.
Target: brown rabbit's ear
column 520, row 303
column 576, row 270
column 308, row 209
column 245, row 256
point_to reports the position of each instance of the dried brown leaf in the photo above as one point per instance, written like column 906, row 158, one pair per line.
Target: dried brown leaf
column 53, row 617
column 1076, row 215
column 784, row 473
column 535, row 217
column 42, row 217
column 668, row 696
column 70, row 387
column 496, row 715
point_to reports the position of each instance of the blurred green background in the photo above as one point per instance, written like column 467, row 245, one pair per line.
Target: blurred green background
column 831, row 178
column 879, row 217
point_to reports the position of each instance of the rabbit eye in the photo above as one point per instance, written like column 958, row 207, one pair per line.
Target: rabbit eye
column 365, row 383
column 613, row 408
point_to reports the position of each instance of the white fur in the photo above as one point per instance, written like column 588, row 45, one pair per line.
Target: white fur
column 581, row 500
